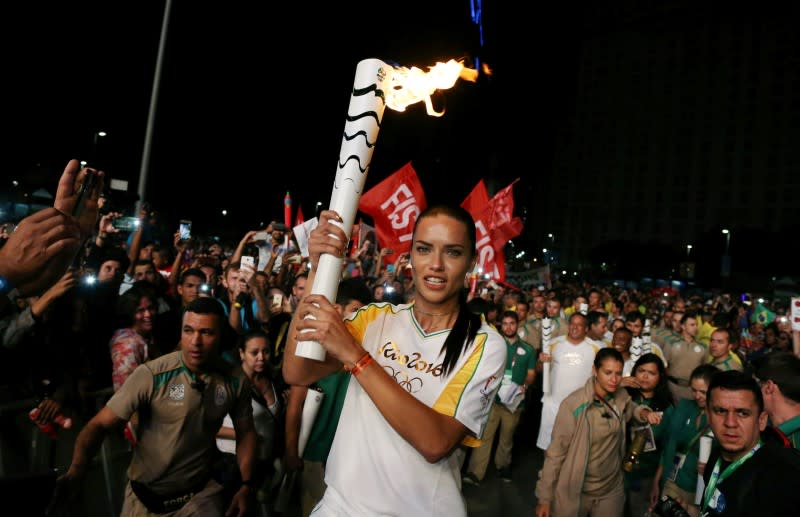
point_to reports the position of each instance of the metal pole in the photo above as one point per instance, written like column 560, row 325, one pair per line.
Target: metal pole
column 151, row 115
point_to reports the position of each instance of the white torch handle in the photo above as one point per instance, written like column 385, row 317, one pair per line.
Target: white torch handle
column 358, row 142
column 546, row 332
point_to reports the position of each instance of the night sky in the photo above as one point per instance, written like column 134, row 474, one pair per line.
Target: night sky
column 230, row 80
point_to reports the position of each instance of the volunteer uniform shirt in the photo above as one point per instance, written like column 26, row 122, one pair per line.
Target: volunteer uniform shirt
column 178, row 423
column 372, row 470
column 684, row 357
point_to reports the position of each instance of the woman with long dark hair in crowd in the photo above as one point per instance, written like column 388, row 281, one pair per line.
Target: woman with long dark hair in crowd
column 422, row 376
column 582, row 471
column 267, row 402
column 647, row 386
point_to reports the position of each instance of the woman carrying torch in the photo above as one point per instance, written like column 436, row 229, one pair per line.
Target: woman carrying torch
column 423, row 376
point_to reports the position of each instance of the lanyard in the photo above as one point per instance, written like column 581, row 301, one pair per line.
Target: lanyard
column 609, row 406
column 717, row 478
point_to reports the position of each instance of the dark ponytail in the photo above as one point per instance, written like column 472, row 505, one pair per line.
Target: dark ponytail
column 461, row 335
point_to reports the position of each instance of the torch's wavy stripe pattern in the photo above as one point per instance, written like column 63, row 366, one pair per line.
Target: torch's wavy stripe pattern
column 356, row 135
column 356, row 158
column 353, row 118
column 371, row 88
column 360, row 92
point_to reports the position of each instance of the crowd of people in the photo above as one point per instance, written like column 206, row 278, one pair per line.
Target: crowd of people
column 194, row 342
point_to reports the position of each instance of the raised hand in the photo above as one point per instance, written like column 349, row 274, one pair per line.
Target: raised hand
column 106, row 224
column 39, row 251
column 326, row 327
column 327, row 237
column 67, row 195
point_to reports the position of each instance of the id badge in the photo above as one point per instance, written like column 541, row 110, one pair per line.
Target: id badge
column 677, row 464
column 650, row 440
column 506, row 377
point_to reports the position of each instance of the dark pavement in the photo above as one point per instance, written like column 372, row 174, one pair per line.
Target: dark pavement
column 496, row 497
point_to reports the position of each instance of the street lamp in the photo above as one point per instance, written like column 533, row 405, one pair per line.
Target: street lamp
column 688, row 250
column 725, row 269
column 97, row 135
column 727, row 234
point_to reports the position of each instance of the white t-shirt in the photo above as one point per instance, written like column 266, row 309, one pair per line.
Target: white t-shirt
column 371, row 469
column 570, row 366
column 264, row 421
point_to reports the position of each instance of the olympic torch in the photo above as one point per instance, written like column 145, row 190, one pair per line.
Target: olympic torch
column 367, row 103
column 547, row 331
column 376, row 86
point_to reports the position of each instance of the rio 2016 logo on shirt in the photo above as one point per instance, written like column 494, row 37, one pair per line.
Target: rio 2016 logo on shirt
column 412, row 385
column 415, row 362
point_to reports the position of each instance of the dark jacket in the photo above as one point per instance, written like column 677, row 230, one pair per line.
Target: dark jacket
column 768, row 484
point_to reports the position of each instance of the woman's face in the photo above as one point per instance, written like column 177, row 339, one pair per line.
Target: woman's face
column 255, row 355
column 647, row 376
column 143, row 317
column 699, row 390
column 608, row 375
column 441, row 255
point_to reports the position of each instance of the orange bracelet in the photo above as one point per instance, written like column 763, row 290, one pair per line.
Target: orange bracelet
column 360, row 364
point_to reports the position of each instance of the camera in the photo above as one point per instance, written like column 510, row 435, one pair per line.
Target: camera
column 669, row 507
column 205, row 289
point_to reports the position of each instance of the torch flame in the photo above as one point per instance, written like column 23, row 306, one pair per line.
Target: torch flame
column 411, row 85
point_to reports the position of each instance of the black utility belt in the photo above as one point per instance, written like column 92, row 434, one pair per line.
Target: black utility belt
column 164, row 503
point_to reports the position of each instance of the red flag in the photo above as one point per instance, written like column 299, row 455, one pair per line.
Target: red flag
column 495, row 225
column 299, row 219
column 503, row 226
column 491, row 260
column 394, row 205
column 477, row 200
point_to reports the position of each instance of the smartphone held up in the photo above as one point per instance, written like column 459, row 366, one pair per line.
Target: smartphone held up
column 126, row 224
column 185, row 230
